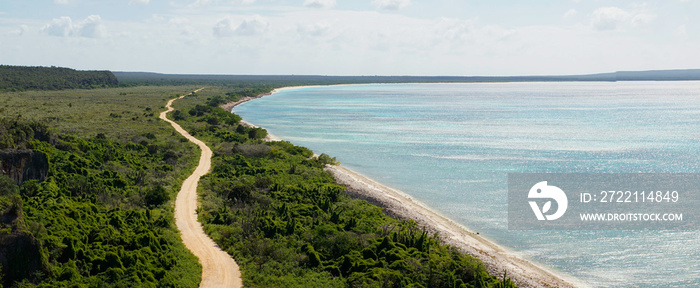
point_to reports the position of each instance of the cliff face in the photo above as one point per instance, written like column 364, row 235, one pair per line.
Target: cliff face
column 20, row 251
column 22, row 165
column 20, row 256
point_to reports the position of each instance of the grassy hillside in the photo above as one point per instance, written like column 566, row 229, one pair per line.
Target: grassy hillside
column 119, row 113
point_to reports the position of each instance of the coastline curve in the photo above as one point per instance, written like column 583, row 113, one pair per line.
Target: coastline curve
column 496, row 258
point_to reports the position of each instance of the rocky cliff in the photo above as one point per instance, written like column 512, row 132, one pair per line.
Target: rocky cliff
column 20, row 251
column 22, row 165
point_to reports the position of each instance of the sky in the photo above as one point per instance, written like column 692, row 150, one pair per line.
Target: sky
column 359, row 37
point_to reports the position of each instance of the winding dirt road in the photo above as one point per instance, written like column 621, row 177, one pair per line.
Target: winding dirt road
column 218, row 268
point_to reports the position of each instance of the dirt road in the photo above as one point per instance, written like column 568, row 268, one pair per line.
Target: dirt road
column 218, row 268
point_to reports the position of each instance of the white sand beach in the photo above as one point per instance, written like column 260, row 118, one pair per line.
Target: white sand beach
column 496, row 258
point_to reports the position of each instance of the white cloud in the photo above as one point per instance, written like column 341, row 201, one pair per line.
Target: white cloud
column 224, row 28
column 454, row 29
column 251, row 26
column 642, row 19
column 571, row 13
column 613, row 18
column 199, row 3
column 323, row 4
column 455, row 36
column 609, row 18
column 297, row 40
column 315, row 30
column 91, row 27
column 62, row 27
column 213, row 3
column 21, row 30
column 139, row 2
column 681, row 31
column 178, row 20
column 60, row 2
column 390, row 4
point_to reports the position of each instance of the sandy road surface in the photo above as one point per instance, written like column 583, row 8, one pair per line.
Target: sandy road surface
column 218, row 268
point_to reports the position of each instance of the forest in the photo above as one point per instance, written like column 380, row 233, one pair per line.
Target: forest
column 21, row 78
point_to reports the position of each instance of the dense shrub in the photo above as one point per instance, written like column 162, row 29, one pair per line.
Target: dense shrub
column 91, row 225
column 156, row 196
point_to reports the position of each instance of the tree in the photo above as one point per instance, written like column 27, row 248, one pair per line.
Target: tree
column 156, row 196
column 7, row 186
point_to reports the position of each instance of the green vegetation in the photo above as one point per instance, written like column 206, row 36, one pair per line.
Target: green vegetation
column 288, row 224
column 20, row 78
column 124, row 114
column 103, row 217
column 252, row 81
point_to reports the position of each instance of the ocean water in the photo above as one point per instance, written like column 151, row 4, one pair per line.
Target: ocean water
column 452, row 145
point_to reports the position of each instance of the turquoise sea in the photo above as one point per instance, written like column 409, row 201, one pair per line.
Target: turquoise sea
column 452, row 145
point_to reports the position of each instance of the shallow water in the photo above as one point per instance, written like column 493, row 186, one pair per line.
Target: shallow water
column 452, row 145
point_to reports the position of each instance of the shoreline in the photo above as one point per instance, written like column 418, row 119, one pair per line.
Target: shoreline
column 231, row 105
column 497, row 259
